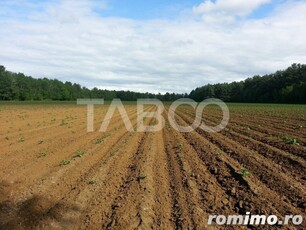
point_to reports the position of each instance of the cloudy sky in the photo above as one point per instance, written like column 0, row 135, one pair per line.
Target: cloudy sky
column 151, row 45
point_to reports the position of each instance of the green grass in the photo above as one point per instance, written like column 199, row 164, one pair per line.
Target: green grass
column 265, row 105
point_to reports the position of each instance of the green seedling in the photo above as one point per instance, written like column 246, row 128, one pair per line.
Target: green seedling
column 79, row 153
column 181, row 154
column 142, row 176
column 294, row 142
column 99, row 140
column 218, row 151
column 40, row 142
column 42, row 154
column 7, row 137
column 245, row 172
column 290, row 140
column 21, row 139
column 63, row 122
column 65, row 162
column 92, row 181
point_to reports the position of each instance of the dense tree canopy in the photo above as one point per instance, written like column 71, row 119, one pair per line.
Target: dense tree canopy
column 17, row 86
column 287, row 86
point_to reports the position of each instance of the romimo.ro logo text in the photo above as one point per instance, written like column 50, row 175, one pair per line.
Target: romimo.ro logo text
column 249, row 219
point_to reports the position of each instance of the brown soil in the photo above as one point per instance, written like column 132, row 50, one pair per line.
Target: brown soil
column 145, row 180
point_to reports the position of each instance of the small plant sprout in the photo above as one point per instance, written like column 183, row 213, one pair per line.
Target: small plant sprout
column 92, row 181
column 42, row 154
column 181, row 154
column 21, row 139
column 40, row 142
column 7, row 137
column 290, row 140
column 142, row 176
column 63, row 122
column 294, row 142
column 245, row 172
column 65, row 162
column 99, row 140
column 218, row 151
column 79, row 153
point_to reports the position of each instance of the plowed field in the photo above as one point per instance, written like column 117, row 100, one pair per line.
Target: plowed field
column 55, row 175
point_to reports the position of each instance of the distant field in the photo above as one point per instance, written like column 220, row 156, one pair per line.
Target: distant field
column 36, row 102
column 53, row 103
column 54, row 174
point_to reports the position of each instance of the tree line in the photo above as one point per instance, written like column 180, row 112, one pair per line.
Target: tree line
column 286, row 86
column 17, row 86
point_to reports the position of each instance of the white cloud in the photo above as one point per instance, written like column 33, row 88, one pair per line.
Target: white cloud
column 227, row 10
column 68, row 41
